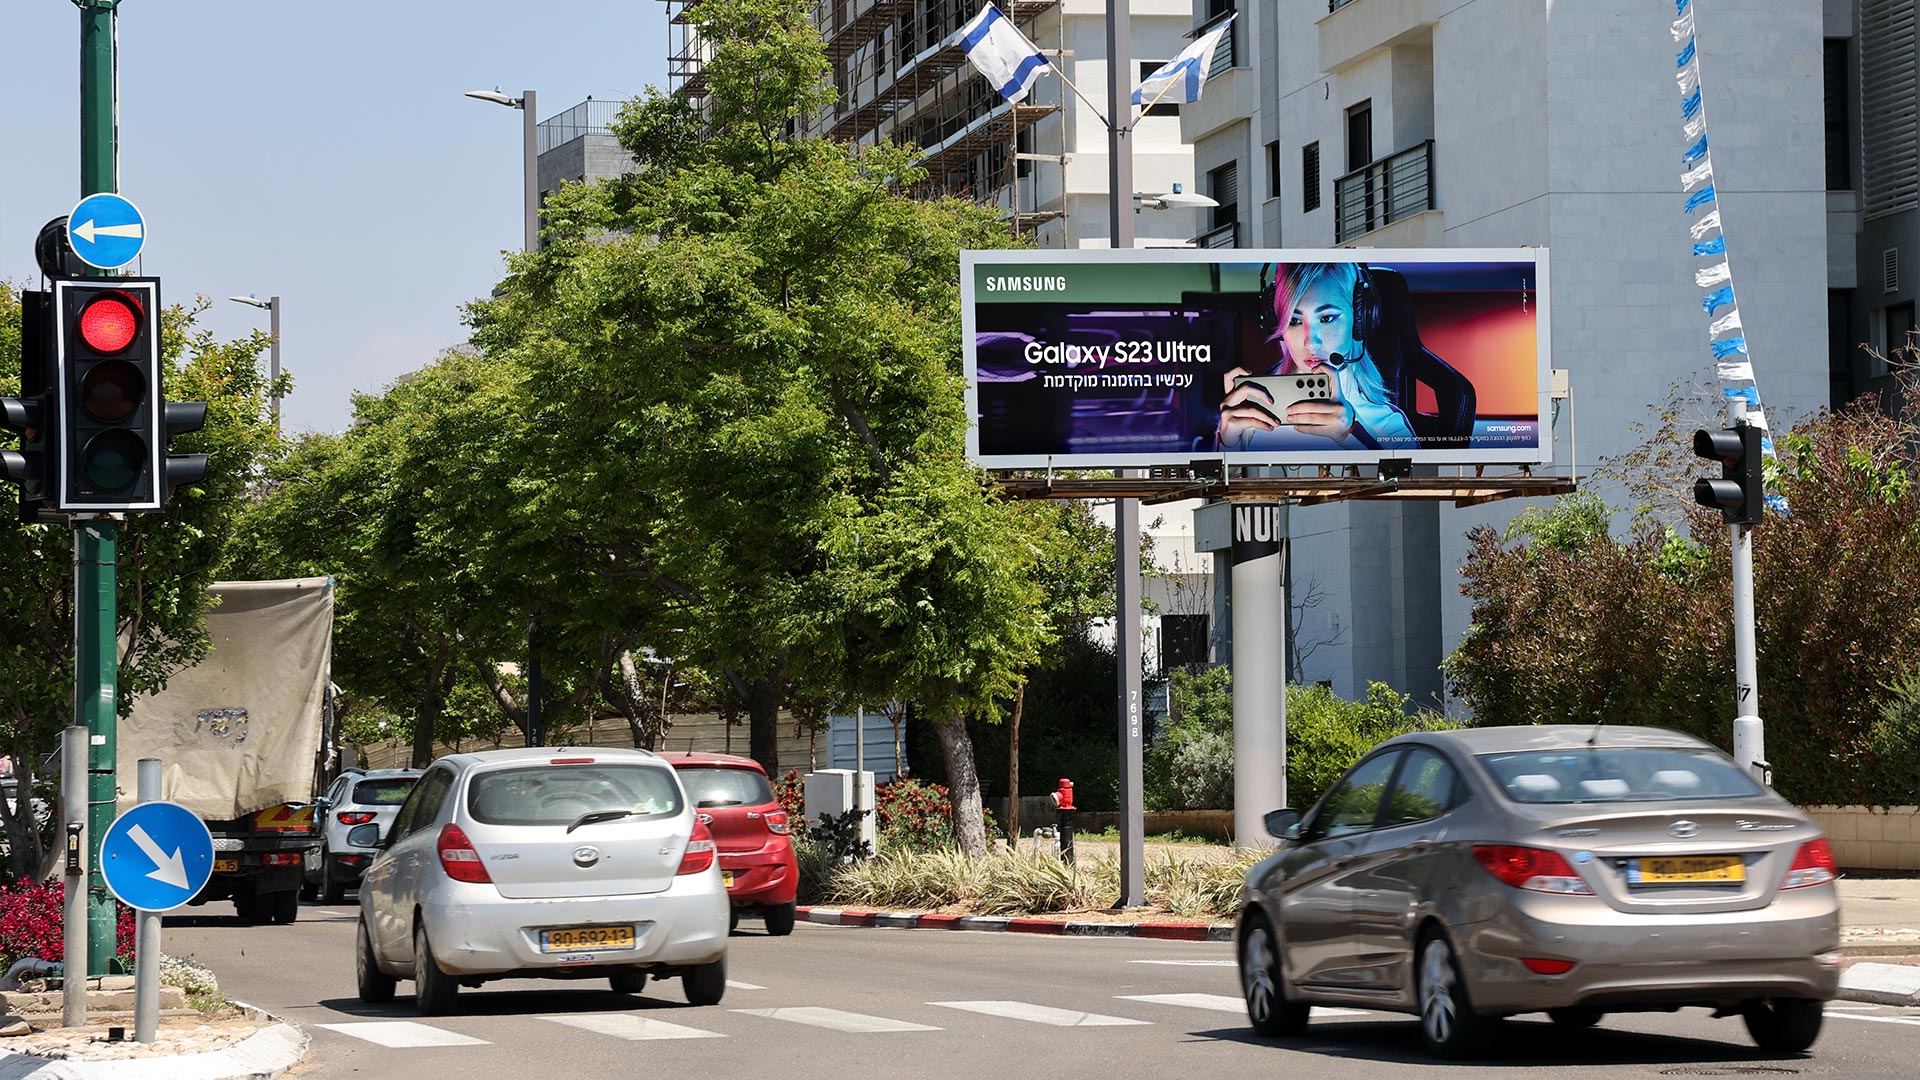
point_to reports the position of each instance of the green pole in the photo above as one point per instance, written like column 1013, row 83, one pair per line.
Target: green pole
column 95, row 540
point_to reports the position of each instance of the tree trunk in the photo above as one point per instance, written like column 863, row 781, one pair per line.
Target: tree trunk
column 1013, row 768
column 763, row 723
column 428, row 715
column 636, row 705
column 963, row 786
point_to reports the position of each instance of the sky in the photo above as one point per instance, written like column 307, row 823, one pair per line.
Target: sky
column 320, row 152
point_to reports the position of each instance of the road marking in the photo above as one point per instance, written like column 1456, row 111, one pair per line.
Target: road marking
column 835, row 1020
column 1224, row 1003
column 630, row 1027
column 403, row 1033
column 738, row 985
column 1186, row 963
column 335, row 914
column 1874, row 1019
column 1040, row 1014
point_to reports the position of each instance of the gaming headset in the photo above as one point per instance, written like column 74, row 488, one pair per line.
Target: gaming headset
column 1366, row 305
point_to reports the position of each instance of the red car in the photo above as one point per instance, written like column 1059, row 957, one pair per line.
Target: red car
column 736, row 803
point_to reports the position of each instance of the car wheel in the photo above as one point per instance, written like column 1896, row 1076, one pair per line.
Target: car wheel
column 1783, row 1025
column 628, row 982
column 331, row 891
column 1449, row 1025
column 733, row 919
column 376, row 986
column 309, row 891
column 433, row 989
column 780, row 920
column 1575, row 1018
column 705, row 984
column 285, row 907
column 1263, row 985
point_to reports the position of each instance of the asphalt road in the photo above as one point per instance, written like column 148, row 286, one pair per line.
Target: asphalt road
column 837, row 1002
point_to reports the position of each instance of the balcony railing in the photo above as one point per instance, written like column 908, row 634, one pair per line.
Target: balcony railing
column 1336, row 5
column 1224, row 236
column 586, row 118
column 1389, row 190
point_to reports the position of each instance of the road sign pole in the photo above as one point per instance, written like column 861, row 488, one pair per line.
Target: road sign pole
column 73, row 823
column 146, row 941
column 95, row 668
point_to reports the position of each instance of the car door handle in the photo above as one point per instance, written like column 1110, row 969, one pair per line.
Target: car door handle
column 1421, row 844
column 1345, row 861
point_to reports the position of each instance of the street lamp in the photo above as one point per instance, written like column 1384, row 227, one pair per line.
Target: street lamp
column 530, row 164
column 272, row 306
column 1177, row 199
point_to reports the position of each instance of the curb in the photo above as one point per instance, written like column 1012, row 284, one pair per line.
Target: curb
column 265, row 1054
column 1881, row 984
column 929, row 921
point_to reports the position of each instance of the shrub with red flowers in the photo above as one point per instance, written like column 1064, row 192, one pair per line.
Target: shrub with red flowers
column 792, row 795
column 30, row 923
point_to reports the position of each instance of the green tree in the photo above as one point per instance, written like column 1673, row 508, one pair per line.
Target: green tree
column 166, row 561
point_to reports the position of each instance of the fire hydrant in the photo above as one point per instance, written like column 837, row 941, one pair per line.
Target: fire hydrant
column 1063, row 806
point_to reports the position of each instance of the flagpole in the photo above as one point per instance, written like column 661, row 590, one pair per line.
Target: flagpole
column 1083, row 97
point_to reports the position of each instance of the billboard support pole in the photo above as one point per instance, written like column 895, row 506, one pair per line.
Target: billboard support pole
column 1259, row 601
column 1126, row 512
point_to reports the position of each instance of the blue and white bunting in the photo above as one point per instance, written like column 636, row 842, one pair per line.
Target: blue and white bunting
column 1725, row 339
column 1002, row 53
column 1182, row 78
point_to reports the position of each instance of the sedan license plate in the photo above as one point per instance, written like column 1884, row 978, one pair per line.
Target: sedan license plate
column 1688, row 870
column 225, row 866
column 726, row 879
column 586, row 937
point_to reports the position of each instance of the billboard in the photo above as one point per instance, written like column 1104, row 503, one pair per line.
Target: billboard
column 1167, row 356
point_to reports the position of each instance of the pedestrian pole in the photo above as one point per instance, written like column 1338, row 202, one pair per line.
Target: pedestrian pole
column 95, row 540
column 73, row 926
column 146, row 941
column 1749, row 733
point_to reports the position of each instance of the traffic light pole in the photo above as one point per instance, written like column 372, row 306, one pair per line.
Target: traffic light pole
column 96, row 540
column 1749, row 736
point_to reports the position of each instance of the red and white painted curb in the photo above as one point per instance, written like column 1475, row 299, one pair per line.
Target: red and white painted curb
column 927, row 921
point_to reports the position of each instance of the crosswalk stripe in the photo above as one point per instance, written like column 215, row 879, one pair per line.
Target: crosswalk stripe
column 1226, row 1003
column 634, row 1028
column 738, row 985
column 836, row 1020
column 1186, row 963
column 1875, row 1019
column 403, row 1033
column 1039, row 1014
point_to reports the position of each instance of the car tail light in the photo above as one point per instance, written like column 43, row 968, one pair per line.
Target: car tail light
column 700, row 851
column 571, row 761
column 777, row 823
column 1812, row 865
column 1542, row 966
column 355, row 817
column 457, row 856
column 1533, row 869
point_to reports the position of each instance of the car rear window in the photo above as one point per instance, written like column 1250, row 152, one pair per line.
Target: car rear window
column 383, row 792
column 1616, row 774
column 558, row 794
column 711, row 786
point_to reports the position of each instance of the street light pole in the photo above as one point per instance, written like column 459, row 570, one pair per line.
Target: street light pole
column 272, row 306
column 530, row 158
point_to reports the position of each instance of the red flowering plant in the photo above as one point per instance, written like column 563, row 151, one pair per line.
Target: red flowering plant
column 792, row 796
column 30, row 923
column 913, row 815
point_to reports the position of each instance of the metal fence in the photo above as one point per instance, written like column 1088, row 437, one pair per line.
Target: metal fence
column 1392, row 188
column 587, row 118
column 1224, row 236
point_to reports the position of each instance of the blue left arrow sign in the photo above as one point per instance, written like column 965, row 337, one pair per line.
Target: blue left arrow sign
column 106, row 230
column 156, row 856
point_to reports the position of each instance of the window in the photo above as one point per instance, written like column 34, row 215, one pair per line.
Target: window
column 1168, row 105
column 1360, row 136
column 1424, row 790
column 391, row 791
column 721, row 786
column 1183, row 640
column 1354, row 803
column 1617, row 774
column 424, row 804
column 1273, row 170
column 1309, row 178
column 559, row 794
column 1839, row 114
column 1023, row 144
column 1223, row 184
column 1896, row 325
column 1890, row 121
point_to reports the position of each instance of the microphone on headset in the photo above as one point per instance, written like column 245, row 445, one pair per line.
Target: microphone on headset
column 1337, row 361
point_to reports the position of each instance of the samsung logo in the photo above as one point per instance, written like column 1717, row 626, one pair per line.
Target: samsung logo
column 1027, row 284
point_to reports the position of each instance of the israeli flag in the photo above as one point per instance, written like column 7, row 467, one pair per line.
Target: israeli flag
column 1181, row 78
column 1002, row 53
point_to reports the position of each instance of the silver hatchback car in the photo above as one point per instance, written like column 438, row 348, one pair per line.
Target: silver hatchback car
column 1470, row 875
column 542, row 863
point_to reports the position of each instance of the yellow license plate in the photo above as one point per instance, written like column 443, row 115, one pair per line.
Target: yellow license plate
column 726, row 879
column 225, row 866
column 586, row 937
column 1690, row 869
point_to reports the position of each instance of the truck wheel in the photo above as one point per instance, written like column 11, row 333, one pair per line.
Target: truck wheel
column 246, row 905
column 285, row 907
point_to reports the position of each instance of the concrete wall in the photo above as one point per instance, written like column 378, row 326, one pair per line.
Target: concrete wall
column 1870, row 838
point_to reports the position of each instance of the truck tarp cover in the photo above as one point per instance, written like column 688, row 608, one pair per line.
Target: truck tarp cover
column 240, row 730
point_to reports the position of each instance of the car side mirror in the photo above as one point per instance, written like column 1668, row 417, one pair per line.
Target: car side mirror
column 1283, row 824
column 366, row 836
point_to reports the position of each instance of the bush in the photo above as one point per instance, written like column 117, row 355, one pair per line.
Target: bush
column 1892, row 747
column 1030, row 883
column 30, row 923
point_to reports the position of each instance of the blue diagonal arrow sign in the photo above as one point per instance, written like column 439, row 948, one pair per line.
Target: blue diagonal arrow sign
column 106, row 230
column 156, row 856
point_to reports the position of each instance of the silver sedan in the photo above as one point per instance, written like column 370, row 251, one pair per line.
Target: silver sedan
column 542, row 863
column 1465, row 876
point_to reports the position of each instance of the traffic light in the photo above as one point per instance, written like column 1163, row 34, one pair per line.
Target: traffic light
column 1740, row 493
column 114, row 420
column 32, row 414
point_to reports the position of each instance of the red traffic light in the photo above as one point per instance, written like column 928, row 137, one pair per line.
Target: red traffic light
column 110, row 321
